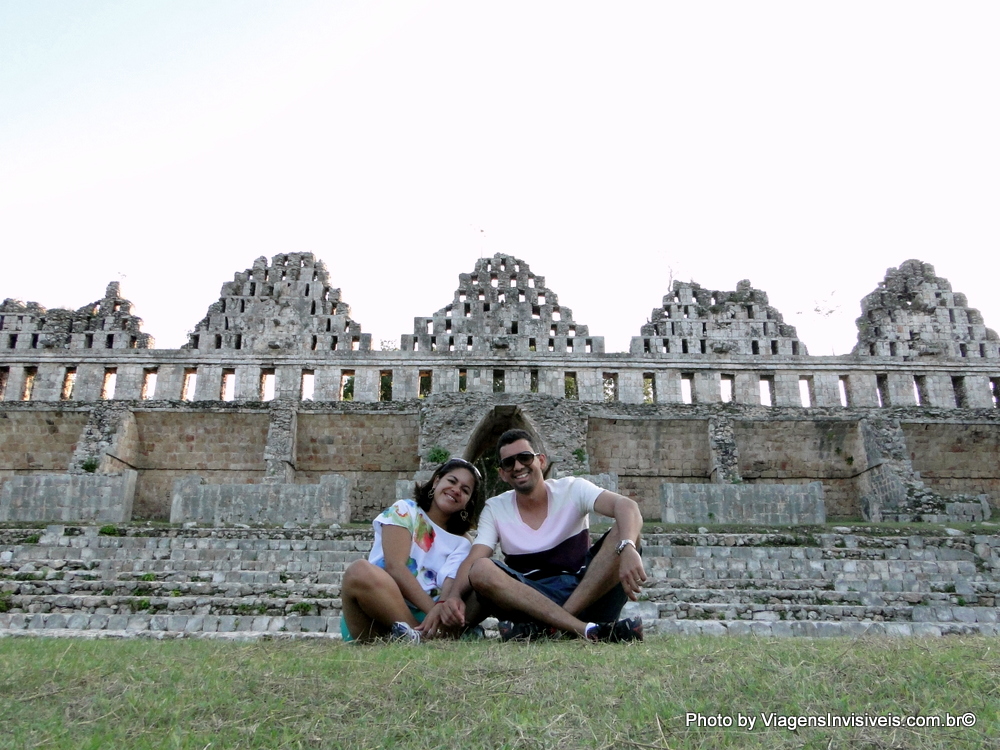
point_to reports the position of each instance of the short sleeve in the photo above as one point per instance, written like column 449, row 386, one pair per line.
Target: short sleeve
column 585, row 493
column 401, row 513
column 454, row 561
column 486, row 532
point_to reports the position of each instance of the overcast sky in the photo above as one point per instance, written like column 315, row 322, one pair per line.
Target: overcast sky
column 806, row 146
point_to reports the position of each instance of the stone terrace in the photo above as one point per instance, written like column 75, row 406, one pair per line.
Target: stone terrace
column 253, row 583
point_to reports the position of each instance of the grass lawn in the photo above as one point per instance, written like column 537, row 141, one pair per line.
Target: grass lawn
column 313, row 694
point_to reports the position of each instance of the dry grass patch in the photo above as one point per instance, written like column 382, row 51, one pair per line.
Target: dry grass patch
column 310, row 694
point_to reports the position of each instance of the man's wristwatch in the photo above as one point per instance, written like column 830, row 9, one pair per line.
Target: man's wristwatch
column 623, row 544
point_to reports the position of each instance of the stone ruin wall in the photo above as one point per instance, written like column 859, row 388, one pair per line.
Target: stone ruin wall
column 715, row 389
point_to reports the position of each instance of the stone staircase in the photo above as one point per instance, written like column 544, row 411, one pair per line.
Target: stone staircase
column 285, row 583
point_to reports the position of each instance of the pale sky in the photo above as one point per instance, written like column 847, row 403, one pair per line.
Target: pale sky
column 806, row 146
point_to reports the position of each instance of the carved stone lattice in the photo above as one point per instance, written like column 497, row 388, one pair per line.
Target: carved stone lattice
column 914, row 313
column 502, row 307
column 107, row 323
column 287, row 306
column 693, row 320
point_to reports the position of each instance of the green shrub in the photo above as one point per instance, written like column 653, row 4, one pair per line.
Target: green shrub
column 147, row 577
column 90, row 465
column 110, row 530
column 302, row 608
column 4, row 602
column 140, row 605
column 438, row 455
column 33, row 539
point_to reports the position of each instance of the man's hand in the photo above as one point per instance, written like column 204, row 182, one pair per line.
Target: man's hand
column 631, row 572
column 452, row 612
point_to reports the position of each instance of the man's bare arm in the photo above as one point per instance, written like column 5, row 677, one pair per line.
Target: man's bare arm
column 628, row 519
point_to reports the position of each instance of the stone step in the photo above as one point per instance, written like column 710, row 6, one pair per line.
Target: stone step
column 807, row 596
column 816, row 629
column 161, row 627
column 168, row 622
column 142, row 602
column 171, row 589
column 94, row 547
column 825, row 612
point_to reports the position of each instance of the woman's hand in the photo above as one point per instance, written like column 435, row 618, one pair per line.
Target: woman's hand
column 432, row 626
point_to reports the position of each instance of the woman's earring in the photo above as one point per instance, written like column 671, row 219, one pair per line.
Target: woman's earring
column 463, row 514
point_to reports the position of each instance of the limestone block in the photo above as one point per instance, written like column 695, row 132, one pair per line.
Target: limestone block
column 326, row 502
column 100, row 498
column 742, row 503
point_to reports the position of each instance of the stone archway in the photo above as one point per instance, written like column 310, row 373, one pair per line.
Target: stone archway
column 481, row 449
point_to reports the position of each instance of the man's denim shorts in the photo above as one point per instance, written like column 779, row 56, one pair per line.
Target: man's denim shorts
column 558, row 589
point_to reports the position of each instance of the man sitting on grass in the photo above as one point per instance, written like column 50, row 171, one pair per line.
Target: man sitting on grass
column 552, row 580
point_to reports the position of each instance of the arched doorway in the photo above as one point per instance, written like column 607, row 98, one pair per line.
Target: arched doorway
column 482, row 446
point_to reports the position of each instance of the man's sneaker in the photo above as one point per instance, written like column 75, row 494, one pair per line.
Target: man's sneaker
column 473, row 633
column 401, row 632
column 629, row 629
column 523, row 631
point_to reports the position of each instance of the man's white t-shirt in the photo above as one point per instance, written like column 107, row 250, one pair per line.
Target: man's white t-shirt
column 559, row 545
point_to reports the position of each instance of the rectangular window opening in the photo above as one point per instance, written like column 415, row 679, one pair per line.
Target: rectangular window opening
column 687, row 387
column 588, row 346
column 767, row 390
column 266, row 387
column 12, row 341
column 807, row 396
column 533, row 382
column 30, row 373
column 684, row 346
column 218, row 341
column 882, row 389
column 227, row 389
column 843, row 391
column 648, row 388
column 610, row 386
column 531, row 345
column 498, row 381
column 69, row 381
column 148, row 390
column 238, row 343
column 425, row 384
column 347, row 385
column 920, row 390
column 755, row 347
column 774, row 347
column 961, row 397
column 110, row 381
column 727, row 388
column 4, row 375
column 109, row 341
column 570, row 387
column 385, row 385
column 994, row 391
column 307, row 385
column 463, row 381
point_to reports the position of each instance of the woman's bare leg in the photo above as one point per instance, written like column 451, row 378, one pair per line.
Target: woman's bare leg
column 371, row 601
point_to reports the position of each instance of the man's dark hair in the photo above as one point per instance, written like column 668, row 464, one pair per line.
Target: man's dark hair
column 512, row 436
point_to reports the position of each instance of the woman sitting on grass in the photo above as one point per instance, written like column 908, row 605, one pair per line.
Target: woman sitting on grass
column 400, row 591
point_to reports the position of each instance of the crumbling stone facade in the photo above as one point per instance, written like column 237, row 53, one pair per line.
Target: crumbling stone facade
column 285, row 306
column 278, row 386
column 693, row 320
column 914, row 313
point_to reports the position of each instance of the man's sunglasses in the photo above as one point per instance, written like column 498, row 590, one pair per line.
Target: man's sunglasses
column 524, row 458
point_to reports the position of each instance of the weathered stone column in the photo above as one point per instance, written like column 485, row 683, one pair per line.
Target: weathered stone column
column 723, row 450
column 279, row 451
